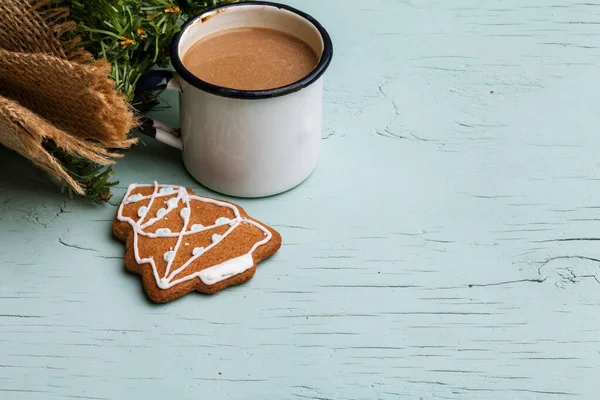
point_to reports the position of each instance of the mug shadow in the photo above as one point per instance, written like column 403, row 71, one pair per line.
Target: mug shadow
column 149, row 150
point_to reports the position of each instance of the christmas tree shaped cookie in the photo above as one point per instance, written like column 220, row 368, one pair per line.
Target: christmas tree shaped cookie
column 180, row 242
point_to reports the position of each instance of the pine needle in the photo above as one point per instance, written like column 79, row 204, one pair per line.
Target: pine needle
column 134, row 37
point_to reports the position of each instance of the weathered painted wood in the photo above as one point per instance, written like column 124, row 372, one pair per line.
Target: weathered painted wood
column 446, row 247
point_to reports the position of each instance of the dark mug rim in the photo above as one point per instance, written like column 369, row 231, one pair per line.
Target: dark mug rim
column 309, row 79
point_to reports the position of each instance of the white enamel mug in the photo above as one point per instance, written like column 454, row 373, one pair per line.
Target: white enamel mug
column 245, row 143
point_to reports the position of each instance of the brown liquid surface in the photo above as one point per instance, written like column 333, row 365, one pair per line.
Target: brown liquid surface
column 250, row 59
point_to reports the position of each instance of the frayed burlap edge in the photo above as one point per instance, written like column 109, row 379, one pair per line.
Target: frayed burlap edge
column 40, row 26
column 76, row 98
column 25, row 132
column 37, row 26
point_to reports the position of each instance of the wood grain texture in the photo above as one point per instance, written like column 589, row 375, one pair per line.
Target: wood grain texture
column 445, row 248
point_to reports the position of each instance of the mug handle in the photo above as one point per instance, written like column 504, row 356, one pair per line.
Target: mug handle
column 149, row 82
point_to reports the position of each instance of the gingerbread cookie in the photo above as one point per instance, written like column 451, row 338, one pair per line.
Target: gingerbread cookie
column 180, row 242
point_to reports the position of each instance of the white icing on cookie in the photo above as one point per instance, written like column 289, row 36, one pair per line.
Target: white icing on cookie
column 134, row 198
column 169, row 256
column 197, row 228
column 184, row 213
column 173, row 202
column 225, row 270
column 142, row 211
column 209, row 276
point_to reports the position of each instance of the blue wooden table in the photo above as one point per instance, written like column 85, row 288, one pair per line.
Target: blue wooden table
column 445, row 248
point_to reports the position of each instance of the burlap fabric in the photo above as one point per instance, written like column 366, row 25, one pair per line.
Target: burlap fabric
column 53, row 90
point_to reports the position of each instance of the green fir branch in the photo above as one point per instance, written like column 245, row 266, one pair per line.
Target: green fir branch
column 133, row 36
